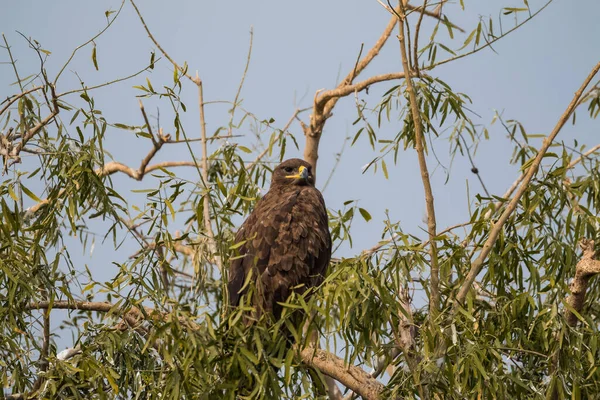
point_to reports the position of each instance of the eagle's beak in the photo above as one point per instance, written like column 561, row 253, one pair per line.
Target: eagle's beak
column 302, row 174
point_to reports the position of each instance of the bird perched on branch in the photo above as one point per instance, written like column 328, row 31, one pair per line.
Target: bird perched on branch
column 285, row 242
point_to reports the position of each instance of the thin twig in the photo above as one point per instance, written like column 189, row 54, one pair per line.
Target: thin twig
column 182, row 70
column 416, row 42
column 573, row 163
column 239, row 90
column 88, row 88
column 12, row 99
column 251, row 165
column 474, row 168
column 488, row 44
column 13, row 62
column 88, row 42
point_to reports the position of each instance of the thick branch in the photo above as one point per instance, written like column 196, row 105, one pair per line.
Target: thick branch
column 350, row 376
column 477, row 265
column 434, row 303
column 586, row 268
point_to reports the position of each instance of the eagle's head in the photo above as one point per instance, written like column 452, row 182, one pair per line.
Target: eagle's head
column 293, row 172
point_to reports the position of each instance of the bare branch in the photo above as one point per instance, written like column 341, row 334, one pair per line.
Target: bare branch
column 157, row 142
column 586, row 268
column 182, row 70
column 342, row 91
column 477, row 265
column 237, row 94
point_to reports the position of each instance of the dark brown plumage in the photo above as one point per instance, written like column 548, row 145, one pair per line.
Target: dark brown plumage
column 286, row 240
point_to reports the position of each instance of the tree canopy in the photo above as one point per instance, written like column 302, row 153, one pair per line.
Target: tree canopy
column 501, row 305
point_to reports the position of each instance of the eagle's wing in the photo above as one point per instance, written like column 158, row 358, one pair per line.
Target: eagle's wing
column 257, row 233
column 301, row 252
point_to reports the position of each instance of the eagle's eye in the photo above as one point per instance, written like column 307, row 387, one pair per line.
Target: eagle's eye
column 289, row 170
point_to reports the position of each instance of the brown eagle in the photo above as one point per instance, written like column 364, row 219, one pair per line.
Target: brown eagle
column 286, row 240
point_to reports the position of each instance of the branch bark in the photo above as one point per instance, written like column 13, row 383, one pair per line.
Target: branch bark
column 477, row 265
column 350, row 376
column 586, row 268
column 434, row 303
column 324, row 104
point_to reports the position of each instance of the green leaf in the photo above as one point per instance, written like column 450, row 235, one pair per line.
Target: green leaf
column 365, row 214
column 94, row 59
column 384, row 169
column 30, row 194
column 11, row 193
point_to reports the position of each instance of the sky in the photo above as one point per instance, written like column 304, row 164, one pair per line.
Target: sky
column 299, row 48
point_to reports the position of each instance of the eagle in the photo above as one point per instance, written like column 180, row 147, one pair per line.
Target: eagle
column 285, row 242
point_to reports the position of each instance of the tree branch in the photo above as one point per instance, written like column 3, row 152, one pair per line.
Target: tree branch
column 157, row 143
column 488, row 43
column 10, row 100
column 350, row 376
column 115, row 166
column 586, row 268
column 27, row 136
column 212, row 244
column 182, row 70
column 429, row 201
column 323, row 106
column 477, row 265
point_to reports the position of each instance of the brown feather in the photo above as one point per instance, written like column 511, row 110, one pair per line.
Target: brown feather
column 287, row 241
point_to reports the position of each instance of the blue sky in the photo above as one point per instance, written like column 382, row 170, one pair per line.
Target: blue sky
column 300, row 47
